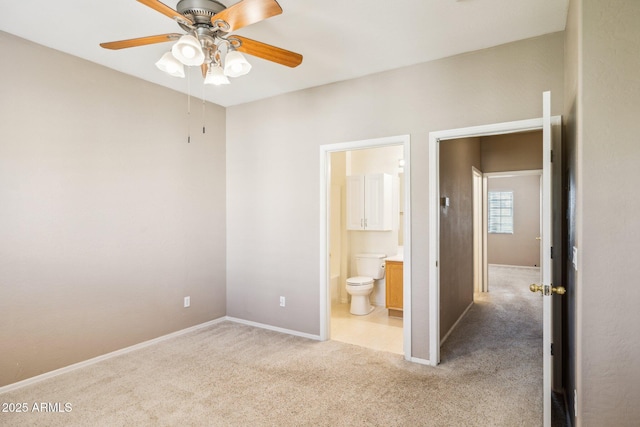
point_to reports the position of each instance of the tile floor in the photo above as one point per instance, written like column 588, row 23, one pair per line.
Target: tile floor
column 376, row 330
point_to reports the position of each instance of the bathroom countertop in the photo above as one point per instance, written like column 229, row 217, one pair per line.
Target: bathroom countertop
column 398, row 257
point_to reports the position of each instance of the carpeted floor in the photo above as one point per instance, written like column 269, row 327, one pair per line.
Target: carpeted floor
column 235, row 375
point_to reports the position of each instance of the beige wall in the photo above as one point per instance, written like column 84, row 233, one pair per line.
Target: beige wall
column 108, row 218
column 273, row 165
column 520, row 248
column 457, row 157
column 511, row 152
column 604, row 130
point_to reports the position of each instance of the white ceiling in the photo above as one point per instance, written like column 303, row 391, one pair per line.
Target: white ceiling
column 339, row 39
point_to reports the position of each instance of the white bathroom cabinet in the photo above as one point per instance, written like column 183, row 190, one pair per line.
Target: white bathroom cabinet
column 369, row 202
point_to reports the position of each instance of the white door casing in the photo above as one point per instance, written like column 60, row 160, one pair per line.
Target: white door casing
column 325, row 180
column 478, row 232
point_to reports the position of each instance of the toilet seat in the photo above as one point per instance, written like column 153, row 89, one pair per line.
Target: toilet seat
column 359, row 281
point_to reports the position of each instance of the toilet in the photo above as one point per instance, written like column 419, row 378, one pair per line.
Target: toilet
column 369, row 268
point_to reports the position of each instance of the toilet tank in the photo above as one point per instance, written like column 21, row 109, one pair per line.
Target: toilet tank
column 370, row 265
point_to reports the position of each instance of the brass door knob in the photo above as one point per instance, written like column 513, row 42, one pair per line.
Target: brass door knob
column 560, row 290
column 536, row 288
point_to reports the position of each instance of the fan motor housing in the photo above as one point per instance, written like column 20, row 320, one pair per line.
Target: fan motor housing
column 199, row 11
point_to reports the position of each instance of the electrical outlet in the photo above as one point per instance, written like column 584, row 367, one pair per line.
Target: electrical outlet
column 187, row 302
column 282, row 301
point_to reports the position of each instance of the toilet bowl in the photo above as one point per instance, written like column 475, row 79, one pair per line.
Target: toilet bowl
column 370, row 268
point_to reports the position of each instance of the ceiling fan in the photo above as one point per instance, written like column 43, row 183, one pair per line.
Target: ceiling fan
column 208, row 42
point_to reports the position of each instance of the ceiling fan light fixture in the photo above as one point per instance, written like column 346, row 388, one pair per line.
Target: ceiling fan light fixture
column 188, row 50
column 215, row 76
column 170, row 65
column 235, row 64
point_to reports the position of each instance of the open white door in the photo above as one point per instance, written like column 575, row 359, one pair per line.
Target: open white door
column 546, row 288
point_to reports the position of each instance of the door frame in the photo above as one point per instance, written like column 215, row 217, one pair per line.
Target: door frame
column 479, row 229
column 434, row 208
column 325, row 182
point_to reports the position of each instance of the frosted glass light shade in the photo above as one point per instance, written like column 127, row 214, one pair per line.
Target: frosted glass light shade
column 170, row 65
column 215, row 76
column 235, row 64
column 188, row 50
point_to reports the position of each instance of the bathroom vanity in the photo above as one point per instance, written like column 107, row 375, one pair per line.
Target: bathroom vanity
column 394, row 286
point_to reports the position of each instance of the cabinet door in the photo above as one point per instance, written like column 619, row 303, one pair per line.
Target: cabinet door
column 355, row 202
column 394, row 285
column 377, row 202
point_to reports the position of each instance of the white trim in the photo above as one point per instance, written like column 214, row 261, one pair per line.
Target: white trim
column 97, row 359
column 478, row 230
column 509, row 174
column 325, row 177
column 434, row 197
column 455, row 325
column 523, row 267
column 420, row 361
column 273, row 328
column 485, row 233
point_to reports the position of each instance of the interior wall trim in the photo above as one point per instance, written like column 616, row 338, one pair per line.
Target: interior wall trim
column 455, row 325
column 273, row 328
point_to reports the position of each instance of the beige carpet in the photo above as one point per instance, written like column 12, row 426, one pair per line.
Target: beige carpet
column 235, row 375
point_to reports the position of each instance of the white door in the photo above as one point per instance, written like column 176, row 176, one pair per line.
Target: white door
column 546, row 288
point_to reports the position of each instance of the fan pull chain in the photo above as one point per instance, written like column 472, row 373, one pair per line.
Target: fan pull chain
column 203, row 110
column 188, row 108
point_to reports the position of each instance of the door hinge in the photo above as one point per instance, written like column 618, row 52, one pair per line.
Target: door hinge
column 551, row 156
column 551, row 255
column 552, row 349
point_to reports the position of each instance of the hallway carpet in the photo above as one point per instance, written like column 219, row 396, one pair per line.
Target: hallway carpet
column 231, row 374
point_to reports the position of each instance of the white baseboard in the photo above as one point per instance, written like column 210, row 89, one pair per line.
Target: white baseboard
column 420, row 361
column 94, row 360
column 274, row 328
column 456, row 324
column 524, row 267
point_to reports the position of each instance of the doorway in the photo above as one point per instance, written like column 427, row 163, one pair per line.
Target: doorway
column 327, row 242
column 437, row 203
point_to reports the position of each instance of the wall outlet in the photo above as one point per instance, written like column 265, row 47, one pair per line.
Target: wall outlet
column 187, row 302
column 282, row 301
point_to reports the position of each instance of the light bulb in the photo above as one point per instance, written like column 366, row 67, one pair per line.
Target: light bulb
column 188, row 50
column 236, row 65
column 170, row 65
column 215, row 76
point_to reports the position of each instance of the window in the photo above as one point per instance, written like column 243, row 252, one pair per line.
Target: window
column 501, row 212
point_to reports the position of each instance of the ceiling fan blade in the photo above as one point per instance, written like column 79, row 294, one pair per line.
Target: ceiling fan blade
column 141, row 41
column 245, row 12
column 166, row 10
column 265, row 51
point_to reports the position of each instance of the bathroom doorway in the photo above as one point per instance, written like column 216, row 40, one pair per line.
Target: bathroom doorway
column 340, row 242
